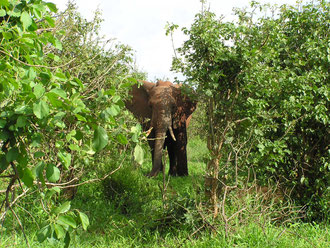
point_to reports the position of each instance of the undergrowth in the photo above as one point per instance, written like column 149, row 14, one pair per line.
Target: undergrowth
column 130, row 210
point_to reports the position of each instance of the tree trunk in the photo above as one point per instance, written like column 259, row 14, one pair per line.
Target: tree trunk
column 211, row 184
column 211, row 180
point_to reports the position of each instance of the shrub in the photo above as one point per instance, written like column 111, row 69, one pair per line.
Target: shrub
column 264, row 80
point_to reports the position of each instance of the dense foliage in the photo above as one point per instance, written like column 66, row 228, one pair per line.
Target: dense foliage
column 262, row 85
column 61, row 89
column 265, row 82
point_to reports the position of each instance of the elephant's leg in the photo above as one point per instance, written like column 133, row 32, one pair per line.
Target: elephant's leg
column 182, row 162
column 172, row 156
column 181, row 153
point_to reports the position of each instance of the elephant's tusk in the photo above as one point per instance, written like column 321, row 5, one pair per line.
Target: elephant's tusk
column 149, row 131
column 171, row 132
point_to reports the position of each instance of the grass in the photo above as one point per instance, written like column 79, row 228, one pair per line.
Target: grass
column 128, row 211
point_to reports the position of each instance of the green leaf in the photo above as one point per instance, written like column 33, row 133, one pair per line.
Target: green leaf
column 110, row 92
column 38, row 154
column 52, row 7
column 53, row 99
column 60, row 76
column 3, row 163
column 27, row 177
column 38, row 9
column 122, row 139
column 70, row 136
column 59, row 230
column 65, row 207
column 67, row 240
column 22, row 109
column 4, row 135
column 32, row 73
column 43, row 233
column 114, row 110
column 38, row 90
column 66, row 220
column 4, row 3
column 58, row 44
column 74, row 147
column 136, row 131
column 80, row 118
column 7, row 35
column 100, row 139
column 45, row 77
column 51, row 192
column 65, row 158
column 26, row 19
column 23, row 157
column 52, row 173
column 41, row 109
column 15, row 13
column 84, row 220
column 38, row 171
column 78, row 81
column 138, row 154
column 3, row 123
column 2, row 13
column 59, row 92
column 50, row 21
column 12, row 154
column 36, row 140
column 21, row 121
column 115, row 99
column 57, row 58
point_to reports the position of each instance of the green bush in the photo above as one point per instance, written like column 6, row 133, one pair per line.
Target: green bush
column 61, row 101
column 265, row 82
column 132, row 192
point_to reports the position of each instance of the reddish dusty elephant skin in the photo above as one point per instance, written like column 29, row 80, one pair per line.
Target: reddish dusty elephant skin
column 162, row 107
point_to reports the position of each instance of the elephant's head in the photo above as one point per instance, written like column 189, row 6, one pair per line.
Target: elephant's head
column 166, row 107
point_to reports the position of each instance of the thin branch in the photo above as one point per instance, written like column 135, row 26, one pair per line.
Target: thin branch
column 65, row 186
column 69, row 185
column 236, row 213
column 40, row 30
column 40, row 66
column 5, row 176
column 34, row 219
column 22, row 227
column 14, row 201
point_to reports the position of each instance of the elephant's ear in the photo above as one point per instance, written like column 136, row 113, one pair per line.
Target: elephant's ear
column 139, row 103
column 185, row 108
column 147, row 86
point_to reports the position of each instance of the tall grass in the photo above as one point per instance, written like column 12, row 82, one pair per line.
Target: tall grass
column 129, row 210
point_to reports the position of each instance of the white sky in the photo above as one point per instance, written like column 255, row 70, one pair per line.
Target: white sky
column 141, row 25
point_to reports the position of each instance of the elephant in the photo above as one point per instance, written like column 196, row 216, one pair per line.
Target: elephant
column 165, row 112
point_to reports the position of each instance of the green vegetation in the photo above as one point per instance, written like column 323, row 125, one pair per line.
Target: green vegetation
column 133, row 215
column 264, row 82
column 259, row 143
column 61, row 109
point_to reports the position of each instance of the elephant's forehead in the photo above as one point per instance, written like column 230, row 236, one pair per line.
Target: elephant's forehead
column 162, row 90
column 161, row 97
column 163, row 83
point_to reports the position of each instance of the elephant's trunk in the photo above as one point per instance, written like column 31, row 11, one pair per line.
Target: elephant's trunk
column 158, row 153
column 161, row 122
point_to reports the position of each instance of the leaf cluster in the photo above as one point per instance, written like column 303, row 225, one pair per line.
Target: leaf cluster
column 62, row 87
column 265, row 81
